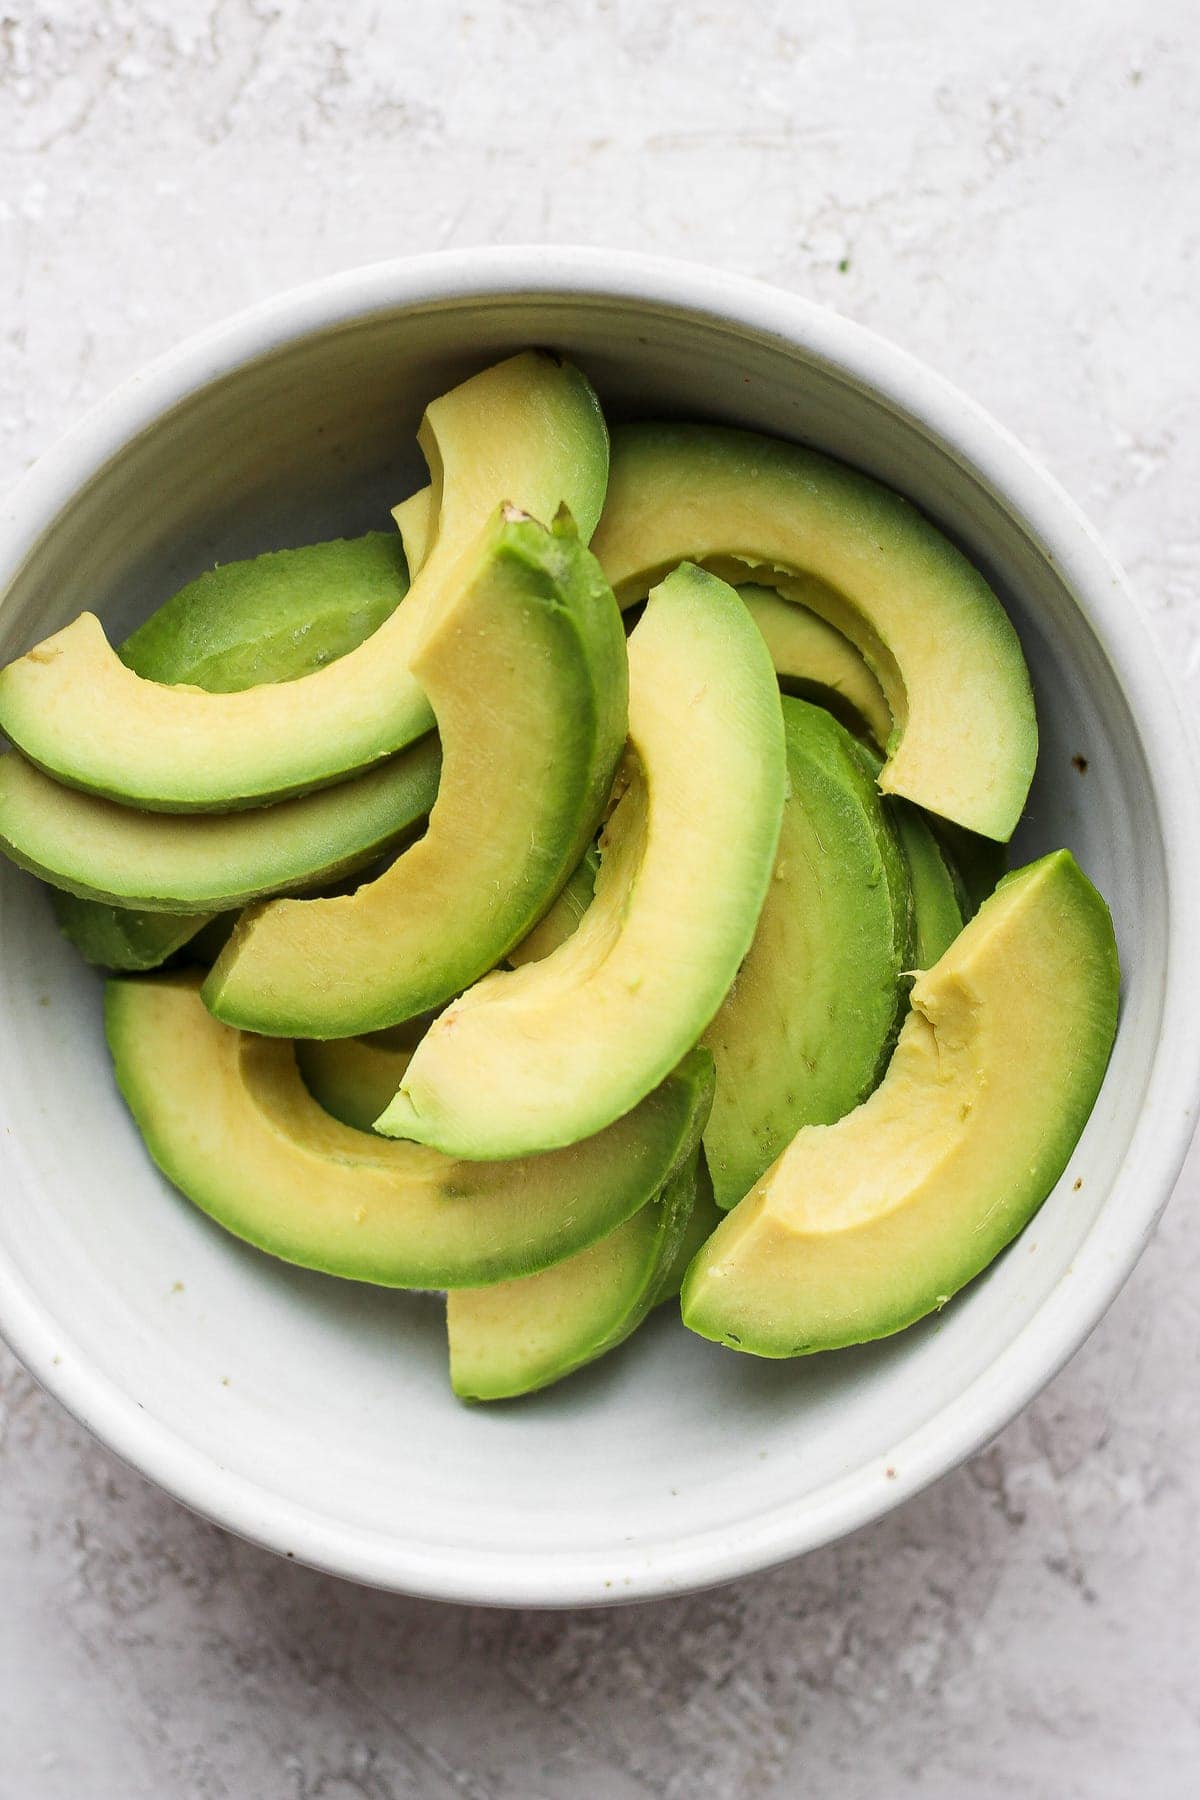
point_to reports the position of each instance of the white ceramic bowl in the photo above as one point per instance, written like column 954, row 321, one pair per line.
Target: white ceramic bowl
column 314, row 1416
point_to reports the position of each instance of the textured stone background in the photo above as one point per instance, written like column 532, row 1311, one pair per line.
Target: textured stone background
column 1011, row 191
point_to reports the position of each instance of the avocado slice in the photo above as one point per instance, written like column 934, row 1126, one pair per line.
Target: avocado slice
column 815, row 662
column 563, row 917
column 964, row 737
column 416, row 521
column 118, row 937
column 862, row 1227
column 937, row 910
column 811, row 658
column 273, row 617
column 355, row 1078
column 524, row 781
column 209, row 861
column 705, row 1216
column 517, row 1336
column 976, row 864
column 534, row 1057
column 269, row 618
column 227, row 1118
column 807, row 1027
column 528, row 430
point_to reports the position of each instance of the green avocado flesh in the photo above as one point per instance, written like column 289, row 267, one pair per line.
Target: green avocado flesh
column 228, row 1119
column 817, row 663
column 937, row 911
column 115, row 937
column 208, row 862
column 810, row 657
column 706, row 1215
column 356, row 1078
column 964, row 737
column 563, row 917
column 805, row 1031
column 527, row 431
column 976, row 864
column 353, row 1078
column 938, row 908
column 524, row 782
column 273, row 617
column 534, row 1057
column 864, row 1226
column 585, row 929
column 270, row 618
column 517, row 1336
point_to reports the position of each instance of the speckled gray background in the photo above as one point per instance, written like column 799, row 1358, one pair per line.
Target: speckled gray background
column 1008, row 189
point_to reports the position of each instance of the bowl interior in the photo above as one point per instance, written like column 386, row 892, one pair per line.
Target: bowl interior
column 325, row 1404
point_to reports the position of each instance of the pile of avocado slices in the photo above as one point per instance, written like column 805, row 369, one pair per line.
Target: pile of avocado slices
column 586, row 893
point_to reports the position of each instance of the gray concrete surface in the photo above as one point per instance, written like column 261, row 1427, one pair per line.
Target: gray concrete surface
column 1007, row 189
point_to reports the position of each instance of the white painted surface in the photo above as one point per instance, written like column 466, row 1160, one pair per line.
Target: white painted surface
column 1013, row 190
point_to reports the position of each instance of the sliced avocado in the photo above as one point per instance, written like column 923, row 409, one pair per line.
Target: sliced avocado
column 115, row 937
column 355, row 1078
column 964, row 738
column 563, row 917
column 811, row 658
column 535, row 1057
column 817, row 663
column 209, row 861
column 706, row 1215
column 524, row 781
column 807, row 1027
column 416, row 521
column 937, row 911
column 268, row 619
column 528, row 431
column 864, row 1226
column 274, row 617
column 976, row 864
column 516, row 1336
column 227, row 1118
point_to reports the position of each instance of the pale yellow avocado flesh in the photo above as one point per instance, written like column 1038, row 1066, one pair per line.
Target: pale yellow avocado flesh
column 229, row 1121
column 804, row 648
column 536, row 1056
column 527, row 431
column 528, row 677
column 517, row 1336
column 757, row 509
column 807, row 650
column 416, row 521
column 562, row 919
column 356, row 1078
column 866, row 1225
column 186, row 863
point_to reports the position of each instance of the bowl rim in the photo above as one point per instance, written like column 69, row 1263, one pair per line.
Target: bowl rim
column 1161, row 1139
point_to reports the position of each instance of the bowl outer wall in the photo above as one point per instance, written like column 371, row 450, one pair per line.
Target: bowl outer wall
column 479, row 1572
